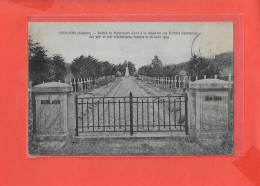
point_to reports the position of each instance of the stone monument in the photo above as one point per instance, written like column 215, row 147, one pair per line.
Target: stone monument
column 126, row 70
column 51, row 114
column 209, row 107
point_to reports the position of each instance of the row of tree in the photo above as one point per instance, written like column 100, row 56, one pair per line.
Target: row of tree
column 91, row 67
column 196, row 66
column 45, row 68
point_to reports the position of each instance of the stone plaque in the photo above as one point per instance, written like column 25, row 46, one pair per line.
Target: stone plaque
column 51, row 114
column 212, row 110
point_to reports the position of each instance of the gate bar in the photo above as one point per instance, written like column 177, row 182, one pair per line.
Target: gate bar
column 137, row 113
column 148, row 113
column 77, row 127
column 125, row 113
column 103, row 113
column 131, row 114
column 114, row 114
column 169, row 99
column 119, row 115
column 186, row 115
column 82, row 113
column 158, row 113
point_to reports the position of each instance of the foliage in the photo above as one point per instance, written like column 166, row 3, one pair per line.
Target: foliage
column 58, row 67
column 144, row 70
column 38, row 62
column 91, row 67
column 118, row 74
column 155, row 69
column 196, row 66
column 44, row 68
column 199, row 66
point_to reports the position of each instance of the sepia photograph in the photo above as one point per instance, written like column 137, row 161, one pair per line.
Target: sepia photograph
column 131, row 88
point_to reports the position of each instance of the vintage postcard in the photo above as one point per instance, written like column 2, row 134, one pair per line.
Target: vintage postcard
column 130, row 88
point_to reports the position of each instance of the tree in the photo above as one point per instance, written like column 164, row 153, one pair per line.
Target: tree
column 131, row 68
column 91, row 67
column 144, row 70
column 156, row 67
column 38, row 63
column 199, row 66
column 58, row 67
column 118, row 74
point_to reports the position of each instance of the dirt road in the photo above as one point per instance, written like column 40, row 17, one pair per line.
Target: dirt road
column 130, row 84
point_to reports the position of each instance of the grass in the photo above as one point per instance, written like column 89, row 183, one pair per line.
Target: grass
column 132, row 146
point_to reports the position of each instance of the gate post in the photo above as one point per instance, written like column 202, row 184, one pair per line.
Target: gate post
column 131, row 114
column 52, row 110
column 209, row 108
column 34, row 112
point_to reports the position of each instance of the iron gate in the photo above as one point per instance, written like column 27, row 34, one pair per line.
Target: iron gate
column 131, row 114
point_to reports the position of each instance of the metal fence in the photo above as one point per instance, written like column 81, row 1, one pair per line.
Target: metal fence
column 131, row 114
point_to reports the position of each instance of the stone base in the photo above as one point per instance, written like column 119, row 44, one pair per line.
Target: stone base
column 57, row 137
column 211, row 135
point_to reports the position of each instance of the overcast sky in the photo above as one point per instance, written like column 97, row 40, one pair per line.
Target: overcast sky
column 215, row 38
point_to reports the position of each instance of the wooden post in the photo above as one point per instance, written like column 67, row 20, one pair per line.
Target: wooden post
column 179, row 82
column 184, row 81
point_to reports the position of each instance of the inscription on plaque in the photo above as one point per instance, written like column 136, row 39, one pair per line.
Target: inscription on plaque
column 51, row 114
column 214, row 111
column 213, row 98
column 50, row 102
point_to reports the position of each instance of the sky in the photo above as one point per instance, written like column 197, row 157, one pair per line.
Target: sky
column 72, row 39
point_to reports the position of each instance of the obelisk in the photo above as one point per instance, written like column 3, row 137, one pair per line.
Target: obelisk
column 126, row 70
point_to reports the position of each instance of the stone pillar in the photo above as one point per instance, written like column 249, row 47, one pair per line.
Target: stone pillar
column 30, row 90
column 53, row 110
column 209, row 107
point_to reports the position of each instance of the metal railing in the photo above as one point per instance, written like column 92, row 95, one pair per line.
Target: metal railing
column 131, row 114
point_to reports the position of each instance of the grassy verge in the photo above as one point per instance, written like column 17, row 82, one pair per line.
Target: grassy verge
column 134, row 146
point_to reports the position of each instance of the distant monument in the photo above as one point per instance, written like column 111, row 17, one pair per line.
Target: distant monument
column 126, row 70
